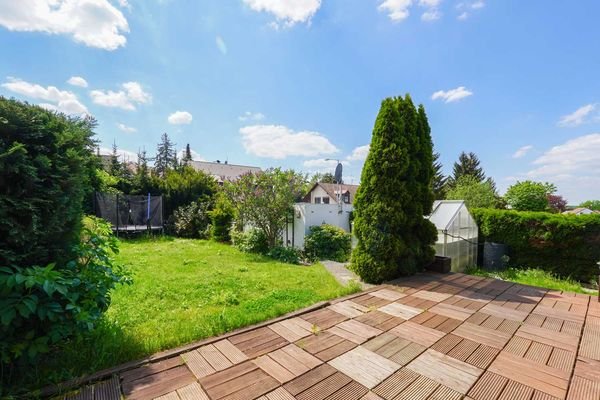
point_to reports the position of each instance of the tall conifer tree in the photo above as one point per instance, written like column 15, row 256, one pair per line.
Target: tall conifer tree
column 438, row 183
column 467, row 164
column 395, row 193
column 166, row 156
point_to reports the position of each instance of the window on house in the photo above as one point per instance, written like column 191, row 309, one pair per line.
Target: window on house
column 325, row 200
column 317, row 200
column 347, row 198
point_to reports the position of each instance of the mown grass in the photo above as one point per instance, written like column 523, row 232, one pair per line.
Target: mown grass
column 534, row 277
column 184, row 290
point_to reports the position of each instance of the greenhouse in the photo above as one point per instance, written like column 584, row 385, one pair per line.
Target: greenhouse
column 457, row 233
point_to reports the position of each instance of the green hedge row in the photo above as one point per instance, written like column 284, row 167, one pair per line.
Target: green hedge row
column 566, row 245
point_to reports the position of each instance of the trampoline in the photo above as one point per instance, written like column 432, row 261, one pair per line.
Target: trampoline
column 130, row 214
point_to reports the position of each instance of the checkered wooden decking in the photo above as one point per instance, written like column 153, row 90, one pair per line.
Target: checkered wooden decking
column 433, row 337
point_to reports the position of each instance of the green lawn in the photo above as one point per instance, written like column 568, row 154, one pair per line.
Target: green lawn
column 186, row 290
column 534, row 277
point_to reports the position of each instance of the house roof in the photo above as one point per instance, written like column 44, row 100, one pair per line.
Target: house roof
column 332, row 190
column 223, row 171
column 578, row 210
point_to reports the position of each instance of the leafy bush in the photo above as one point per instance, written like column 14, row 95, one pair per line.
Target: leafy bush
column 250, row 241
column 47, row 162
column 41, row 305
column 566, row 245
column 476, row 194
column 192, row 220
column 183, row 186
column 529, row 195
column 284, row 254
column 221, row 220
column 328, row 242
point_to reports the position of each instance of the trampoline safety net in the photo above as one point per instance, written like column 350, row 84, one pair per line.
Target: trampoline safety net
column 130, row 213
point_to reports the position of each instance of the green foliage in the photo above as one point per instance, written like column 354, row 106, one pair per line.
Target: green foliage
column 328, row 242
column 439, row 181
column 288, row 255
column 556, row 203
column 529, row 195
column 476, row 194
column 565, row 245
column 251, row 241
column 193, row 220
column 264, row 200
column 467, row 164
column 221, row 219
column 166, row 156
column 47, row 165
column 394, row 195
column 591, row 204
column 183, row 186
column 40, row 306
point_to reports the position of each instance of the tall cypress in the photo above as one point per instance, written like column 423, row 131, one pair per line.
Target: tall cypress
column 395, row 192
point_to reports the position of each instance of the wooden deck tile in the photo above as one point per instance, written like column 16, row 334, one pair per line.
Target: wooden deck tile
column 588, row 369
column 354, row 331
column 556, row 313
column 417, row 333
column 447, row 371
column 584, row 389
column 277, row 394
column 371, row 302
column 242, row 381
column 488, row 387
column 388, row 294
column 108, row 390
column 541, row 335
column 466, row 350
column 400, row 310
column 197, row 364
column 84, row 393
column 396, row 383
column 371, row 396
column 364, row 366
column 380, row 320
column 258, row 342
column 590, row 339
column 505, row 312
column 433, row 296
column 192, row 392
column 232, row 353
column 400, row 351
column 324, row 318
column 214, row 357
column 436, row 321
column 516, row 391
column 150, row 369
column 292, row 329
column 420, row 389
column 310, row 379
column 168, row 396
column 445, row 393
column 325, row 345
column 158, row 384
column 417, row 302
column 287, row 363
column 349, row 308
column 452, row 311
column 544, row 378
column 483, row 335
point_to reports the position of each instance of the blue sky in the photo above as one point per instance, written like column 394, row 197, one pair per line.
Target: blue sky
column 290, row 83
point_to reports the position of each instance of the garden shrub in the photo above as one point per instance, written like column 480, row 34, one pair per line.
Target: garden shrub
column 42, row 304
column 284, row 254
column 328, row 242
column 192, row 220
column 221, row 220
column 250, row 241
column 47, row 162
column 565, row 245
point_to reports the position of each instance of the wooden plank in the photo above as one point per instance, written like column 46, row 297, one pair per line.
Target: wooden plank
column 232, row 353
column 482, row 335
column 420, row 389
column 380, row 320
column 488, row 387
column 229, row 374
column 588, row 369
column 544, row 378
column 452, row 311
column 433, row 296
column 447, row 371
column 214, row 357
column 168, row 396
column 352, row 391
column 324, row 318
column 325, row 388
column 354, row 331
column 151, row 368
column 417, row 333
column 192, row 392
column 400, row 310
column 108, row 390
column 505, row 312
column 349, row 308
column 516, row 391
column 364, row 366
column 562, row 314
column 274, row 369
column 396, row 383
column 279, row 394
column 541, row 335
column 158, row 384
column 388, row 294
column 197, row 364
column 584, row 389
column 310, row 379
column 301, row 356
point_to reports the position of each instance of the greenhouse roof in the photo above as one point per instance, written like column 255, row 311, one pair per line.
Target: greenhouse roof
column 444, row 212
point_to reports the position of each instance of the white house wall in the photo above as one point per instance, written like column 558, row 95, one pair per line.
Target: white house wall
column 320, row 192
column 307, row 215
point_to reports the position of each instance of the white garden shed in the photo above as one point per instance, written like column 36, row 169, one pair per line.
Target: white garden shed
column 457, row 233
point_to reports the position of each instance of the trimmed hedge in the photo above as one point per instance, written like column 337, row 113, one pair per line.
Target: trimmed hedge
column 328, row 242
column 566, row 245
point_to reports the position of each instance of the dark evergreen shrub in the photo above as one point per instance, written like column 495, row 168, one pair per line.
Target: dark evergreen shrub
column 193, row 220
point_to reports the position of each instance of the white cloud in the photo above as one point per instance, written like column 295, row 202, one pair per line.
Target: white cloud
column 288, row 12
column 195, row 155
column 430, row 3
column 221, row 45
column 578, row 117
column 321, row 165
column 452, row 95
column 477, row 5
column 125, row 128
column 131, row 94
column 77, row 81
column 124, row 155
column 431, row 15
column 54, row 99
column 463, row 16
column 359, row 153
column 180, row 118
column 573, row 166
column 250, row 116
column 278, row 141
column 397, row 9
column 522, row 151
column 95, row 23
